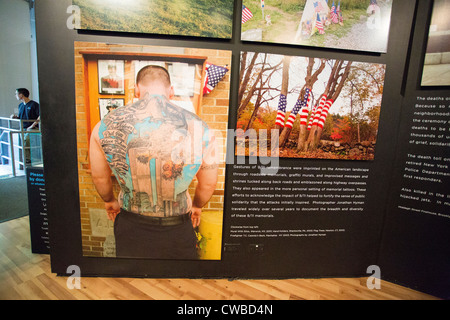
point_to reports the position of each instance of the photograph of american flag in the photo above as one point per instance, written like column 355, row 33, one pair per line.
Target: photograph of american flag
column 246, row 14
column 361, row 25
column 214, row 74
column 319, row 25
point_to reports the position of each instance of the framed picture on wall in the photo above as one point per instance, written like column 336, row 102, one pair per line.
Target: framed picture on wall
column 194, row 18
column 156, row 188
column 317, row 114
column 436, row 69
column 108, row 105
column 111, row 76
column 360, row 25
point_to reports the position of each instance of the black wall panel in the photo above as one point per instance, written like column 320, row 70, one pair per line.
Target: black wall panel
column 415, row 248
column 346, row 255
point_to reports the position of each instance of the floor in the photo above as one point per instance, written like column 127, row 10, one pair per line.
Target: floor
column 6, row 171
column 27, row 276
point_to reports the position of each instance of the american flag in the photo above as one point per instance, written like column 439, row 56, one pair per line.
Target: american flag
column 299, row 105
column 246, row 14
column 339, row 12
column 213, row 75
column 311, row 118
column 281, row 113
column 293, row 115
column 324, row 113
column 318, row 6
column 334, row 16
column 315, row 118
column 319, row 25
column 305, row 110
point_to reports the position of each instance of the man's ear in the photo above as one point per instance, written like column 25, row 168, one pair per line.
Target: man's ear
column 137, row 91
column 171, row 93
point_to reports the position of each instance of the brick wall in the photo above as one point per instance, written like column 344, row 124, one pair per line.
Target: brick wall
column 213, row 110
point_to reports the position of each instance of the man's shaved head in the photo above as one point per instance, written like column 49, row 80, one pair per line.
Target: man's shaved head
column 153, row 74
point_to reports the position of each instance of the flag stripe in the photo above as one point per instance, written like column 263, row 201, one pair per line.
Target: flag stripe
column 319, row 25
column 314, row 118
column 246, row 14
column 280, row 118
column 290, row 120
column 324, row 114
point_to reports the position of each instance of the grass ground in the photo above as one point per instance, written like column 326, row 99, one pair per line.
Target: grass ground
column 178, row 17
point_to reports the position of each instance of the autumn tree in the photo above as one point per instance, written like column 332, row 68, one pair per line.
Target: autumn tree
column 364, row 89
column 254, row 81
column 281, row 112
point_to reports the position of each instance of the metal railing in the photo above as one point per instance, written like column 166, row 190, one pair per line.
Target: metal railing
column 19, row 147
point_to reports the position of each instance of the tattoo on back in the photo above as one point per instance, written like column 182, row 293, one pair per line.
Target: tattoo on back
column 154, row 169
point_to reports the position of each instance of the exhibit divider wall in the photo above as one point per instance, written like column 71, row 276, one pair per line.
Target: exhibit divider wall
column 306, row 112
column 414, row 249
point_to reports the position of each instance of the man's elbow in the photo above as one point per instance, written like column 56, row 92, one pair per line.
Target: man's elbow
column 208, row 185
column 101, row 180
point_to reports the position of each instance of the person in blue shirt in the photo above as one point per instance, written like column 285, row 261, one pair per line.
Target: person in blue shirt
column 30, row 113
column 155, row 149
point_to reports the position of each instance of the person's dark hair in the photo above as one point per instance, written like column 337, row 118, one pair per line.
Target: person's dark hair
column 151, row 73
column 23, row 91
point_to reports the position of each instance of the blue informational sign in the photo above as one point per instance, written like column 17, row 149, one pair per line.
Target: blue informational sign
column 37, row 204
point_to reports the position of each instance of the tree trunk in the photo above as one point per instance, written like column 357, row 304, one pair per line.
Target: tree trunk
column 284, row 90
column 359, row 134
column 309, row 144
column 285, row 75
column 281, row 110
column 333, row 89
column 284, row 136
column 244, row 75
column 255, row 112
column 317, row 138
column 302, row 137
column 310, row 79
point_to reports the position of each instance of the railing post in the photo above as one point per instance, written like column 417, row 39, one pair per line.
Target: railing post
column 22, row 146
column 11, row 146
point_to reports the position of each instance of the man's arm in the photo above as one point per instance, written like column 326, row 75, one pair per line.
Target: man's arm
column 207, row 181
column 101, row 175
column 35, row 124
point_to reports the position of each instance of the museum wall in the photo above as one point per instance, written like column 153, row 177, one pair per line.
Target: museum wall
column 334, row 212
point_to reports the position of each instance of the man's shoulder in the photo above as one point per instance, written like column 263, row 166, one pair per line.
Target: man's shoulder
column 34, row 103
column 187, row 113
column 177, row 109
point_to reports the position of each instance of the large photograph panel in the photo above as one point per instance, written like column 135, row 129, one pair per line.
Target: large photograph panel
column 361, row 25
column 164, row 144
column 319, row 108
column 436, row 69
column 199, row 18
